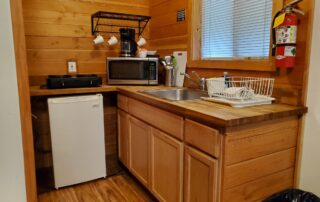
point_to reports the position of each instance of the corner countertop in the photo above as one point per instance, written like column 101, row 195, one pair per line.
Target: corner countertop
column 214, row 114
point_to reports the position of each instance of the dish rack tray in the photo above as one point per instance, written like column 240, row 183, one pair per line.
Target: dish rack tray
column 240, row 91
column 241, row 103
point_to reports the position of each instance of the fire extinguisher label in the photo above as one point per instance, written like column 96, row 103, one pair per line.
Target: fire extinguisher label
column 286, row 34
column 290, row 51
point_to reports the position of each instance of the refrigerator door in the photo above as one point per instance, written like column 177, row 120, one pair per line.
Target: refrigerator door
column 77, row 138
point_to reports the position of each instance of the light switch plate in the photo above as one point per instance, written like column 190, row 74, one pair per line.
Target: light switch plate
column 72, row 66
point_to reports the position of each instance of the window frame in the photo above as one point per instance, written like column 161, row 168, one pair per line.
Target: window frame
column 194, row 45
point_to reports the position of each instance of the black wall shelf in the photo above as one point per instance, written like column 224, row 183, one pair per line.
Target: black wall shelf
column 104, row 22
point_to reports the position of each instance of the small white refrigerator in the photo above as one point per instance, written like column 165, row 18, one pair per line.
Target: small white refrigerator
column 77, row 139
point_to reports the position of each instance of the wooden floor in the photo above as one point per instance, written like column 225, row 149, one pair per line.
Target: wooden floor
column 120, row 188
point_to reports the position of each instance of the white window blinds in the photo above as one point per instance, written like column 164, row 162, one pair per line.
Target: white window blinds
column 235, row 28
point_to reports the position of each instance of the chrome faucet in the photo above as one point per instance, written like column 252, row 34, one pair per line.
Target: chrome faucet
column 201, row 81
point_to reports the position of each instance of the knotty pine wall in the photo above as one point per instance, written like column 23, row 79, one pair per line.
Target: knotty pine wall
column 168, row 35
column 59, row 30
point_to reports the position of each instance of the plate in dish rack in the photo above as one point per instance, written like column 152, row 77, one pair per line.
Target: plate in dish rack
column 241, row 103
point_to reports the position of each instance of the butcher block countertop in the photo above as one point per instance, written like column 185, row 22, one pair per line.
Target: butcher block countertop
column 209, row 113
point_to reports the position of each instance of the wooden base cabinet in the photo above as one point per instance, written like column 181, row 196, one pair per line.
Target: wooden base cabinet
column 139, row 150
column 245, row 163
column 166, row 167
column 154, row 157
column 200, row 176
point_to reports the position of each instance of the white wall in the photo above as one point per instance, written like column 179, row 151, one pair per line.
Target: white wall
column 12, row 181
column 310, row 165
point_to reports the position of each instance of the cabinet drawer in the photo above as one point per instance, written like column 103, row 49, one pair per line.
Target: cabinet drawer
column 203, row 137
column 123, row 102
column 166, row 121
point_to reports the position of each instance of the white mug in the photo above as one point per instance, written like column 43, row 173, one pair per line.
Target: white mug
column 142, row 53
column 98, row 40
column 112, row 41
column 141, row 42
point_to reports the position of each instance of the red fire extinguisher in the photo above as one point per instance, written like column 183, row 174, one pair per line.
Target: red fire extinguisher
column 286, row 37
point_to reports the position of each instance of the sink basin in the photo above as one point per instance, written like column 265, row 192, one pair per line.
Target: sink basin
column 177, row 94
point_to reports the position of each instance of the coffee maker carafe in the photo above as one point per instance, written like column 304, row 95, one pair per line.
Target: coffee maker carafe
column 128, row 43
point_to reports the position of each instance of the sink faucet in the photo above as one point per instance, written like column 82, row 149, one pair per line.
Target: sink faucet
column 201, row 81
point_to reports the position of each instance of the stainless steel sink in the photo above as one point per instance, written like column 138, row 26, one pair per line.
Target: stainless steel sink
column 177, row 94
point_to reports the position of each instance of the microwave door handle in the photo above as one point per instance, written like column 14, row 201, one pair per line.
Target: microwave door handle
column 149, row 70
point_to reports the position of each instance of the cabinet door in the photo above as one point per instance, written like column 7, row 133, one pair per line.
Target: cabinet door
column 139, row 150
column 166, row 167
column 123, row 137
column 200, row 176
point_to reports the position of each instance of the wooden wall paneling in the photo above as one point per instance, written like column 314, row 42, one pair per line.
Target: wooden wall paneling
column 259, row 159
column 41, row 133
column 86, row 6
column 58, row 55
column 24, row 99
column 247, row 171
column 110, row 128
column 60, row 30
column 163, row 7
column 165, row 46
column 45, row 68
column 72, row 43
column 167, row 35
column 248, row 142
column 263, row 187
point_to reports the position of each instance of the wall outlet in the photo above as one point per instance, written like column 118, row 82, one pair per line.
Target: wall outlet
column 72, row 66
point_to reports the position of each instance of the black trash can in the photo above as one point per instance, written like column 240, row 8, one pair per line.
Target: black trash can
column 293, row 195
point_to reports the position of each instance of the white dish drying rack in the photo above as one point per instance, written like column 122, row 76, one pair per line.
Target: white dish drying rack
column 240, row 91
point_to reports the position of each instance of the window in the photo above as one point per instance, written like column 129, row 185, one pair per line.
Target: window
column 231, row 34
column 235, row 28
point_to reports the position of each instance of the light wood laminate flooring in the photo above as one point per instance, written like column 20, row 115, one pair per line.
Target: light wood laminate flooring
column 120, row 188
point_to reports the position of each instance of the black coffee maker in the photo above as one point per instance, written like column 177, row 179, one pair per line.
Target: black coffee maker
column 128, row 42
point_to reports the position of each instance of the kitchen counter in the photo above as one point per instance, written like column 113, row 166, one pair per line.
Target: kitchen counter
column 214, row 114
column 209, row 113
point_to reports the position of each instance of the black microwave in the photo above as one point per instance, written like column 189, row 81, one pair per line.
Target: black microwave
column 132, row 71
